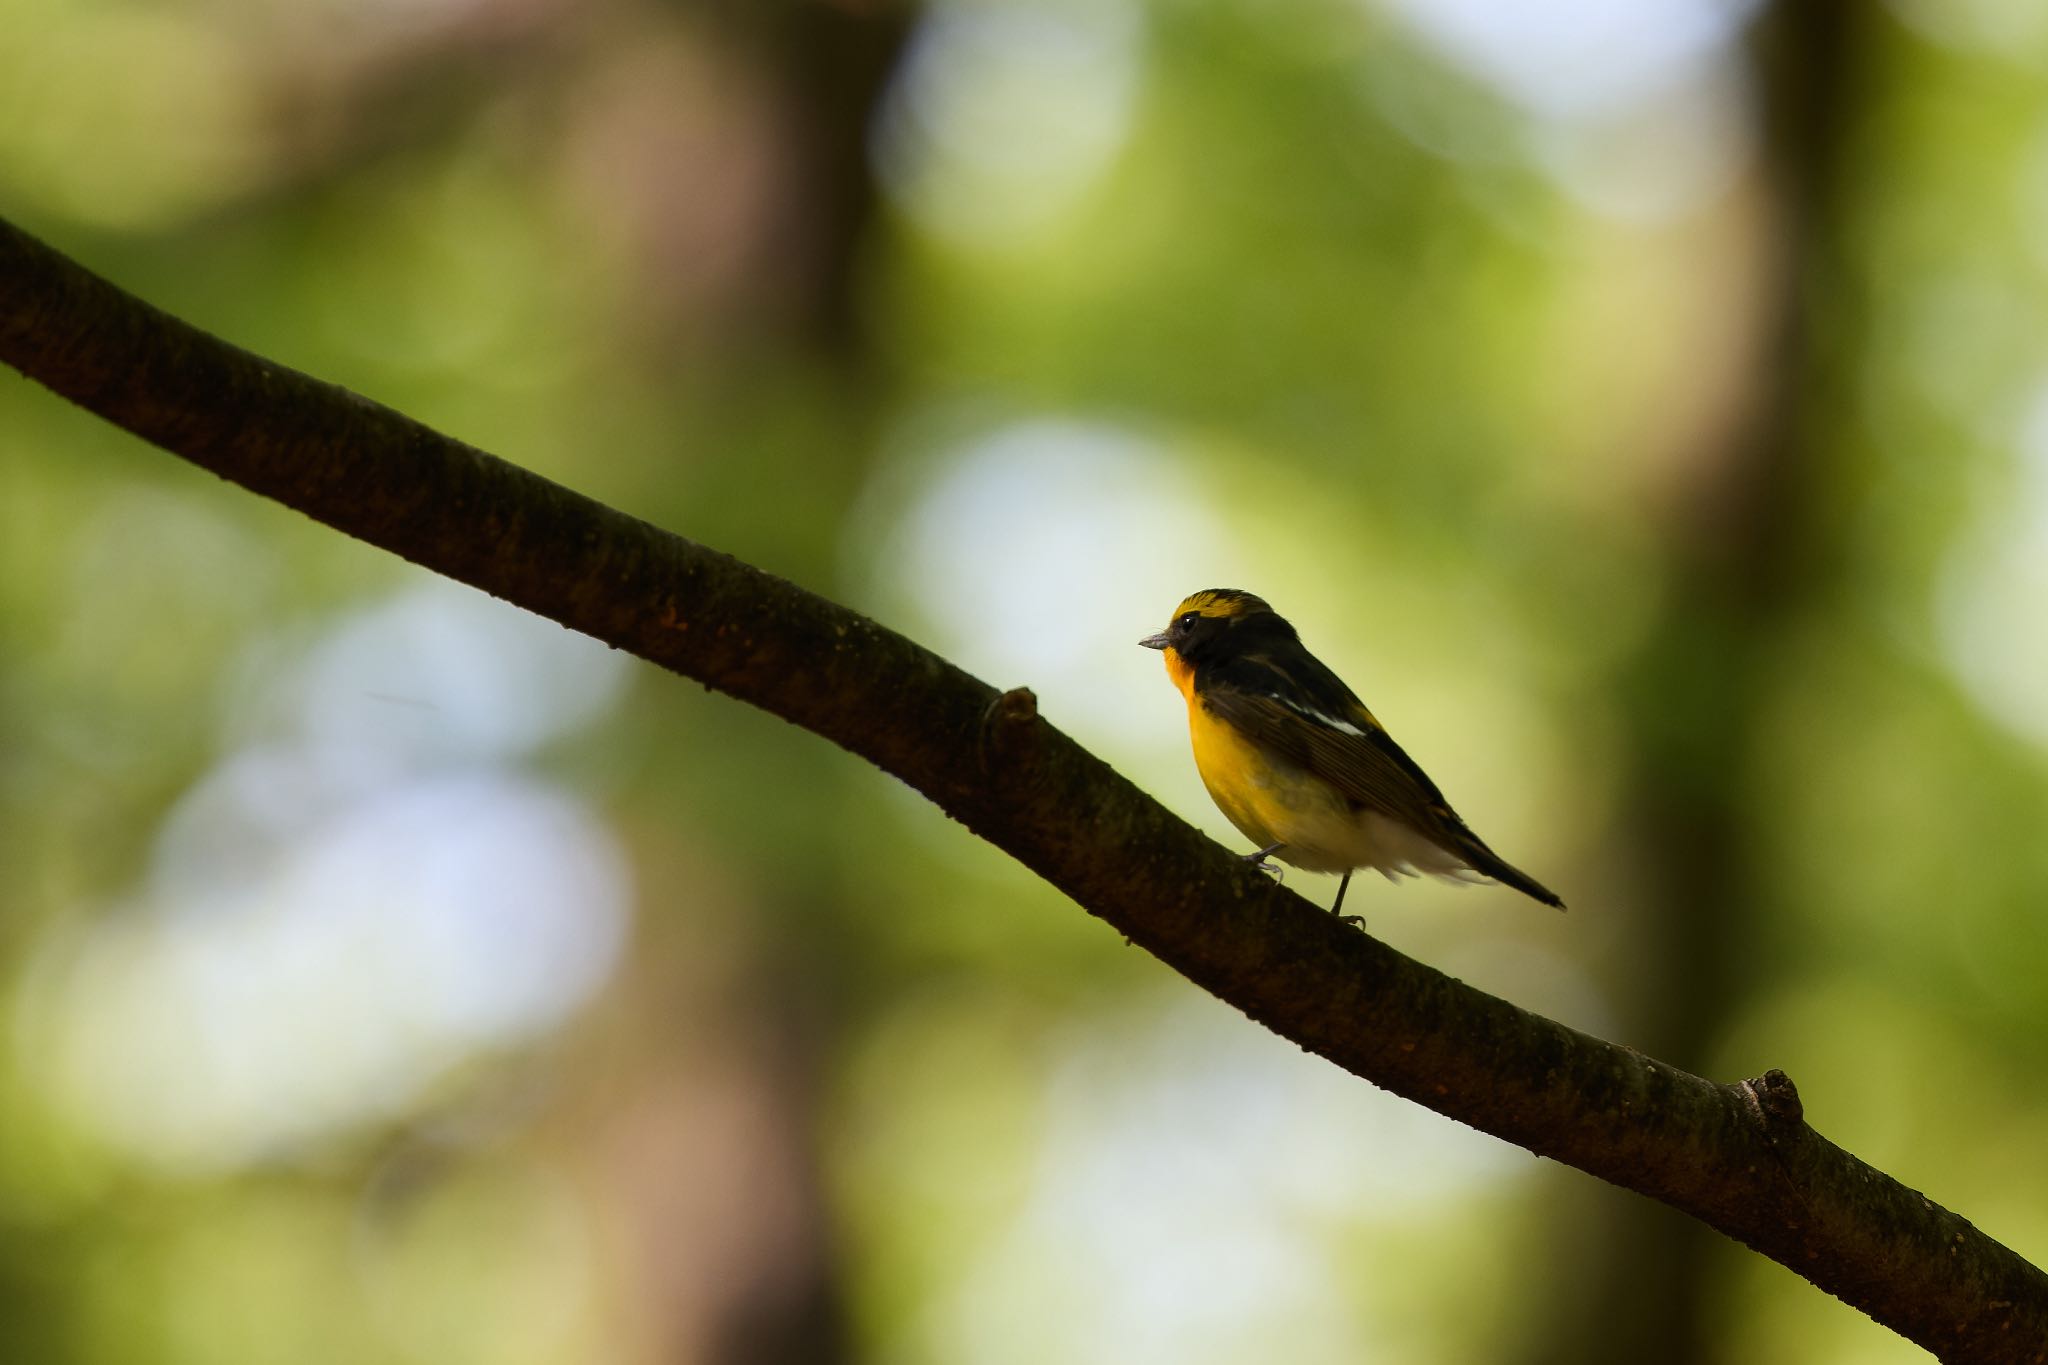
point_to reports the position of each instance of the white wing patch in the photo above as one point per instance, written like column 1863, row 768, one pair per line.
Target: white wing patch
column 1309, row 712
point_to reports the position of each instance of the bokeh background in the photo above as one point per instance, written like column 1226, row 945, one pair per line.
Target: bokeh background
column 1644, row 403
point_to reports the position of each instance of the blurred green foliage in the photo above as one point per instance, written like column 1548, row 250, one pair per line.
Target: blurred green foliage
column 389, row 978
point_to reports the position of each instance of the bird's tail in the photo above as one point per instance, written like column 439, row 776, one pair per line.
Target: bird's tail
column 1485, row 861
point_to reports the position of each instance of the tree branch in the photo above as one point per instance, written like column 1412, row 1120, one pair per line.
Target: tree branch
column 1739, row 1157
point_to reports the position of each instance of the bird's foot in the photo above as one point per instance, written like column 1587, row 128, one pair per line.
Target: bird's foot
column 1337, row 906
column 1257, row 858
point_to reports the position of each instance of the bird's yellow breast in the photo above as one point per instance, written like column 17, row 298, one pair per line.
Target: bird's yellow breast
column 1270, row 800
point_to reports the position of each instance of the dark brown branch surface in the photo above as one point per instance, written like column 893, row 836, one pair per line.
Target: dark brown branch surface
column 1739, row 1157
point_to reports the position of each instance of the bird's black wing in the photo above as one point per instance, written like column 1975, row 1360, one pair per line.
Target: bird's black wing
column 1302, row 712
column 1280, row 706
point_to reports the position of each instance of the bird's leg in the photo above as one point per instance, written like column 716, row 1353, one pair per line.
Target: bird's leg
column 1338, row 905
column 1258, row 859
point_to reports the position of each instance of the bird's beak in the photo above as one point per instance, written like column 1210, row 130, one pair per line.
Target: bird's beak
column 1158, row 641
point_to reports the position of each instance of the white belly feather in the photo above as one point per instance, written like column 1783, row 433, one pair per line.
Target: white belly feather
column 1340, row 840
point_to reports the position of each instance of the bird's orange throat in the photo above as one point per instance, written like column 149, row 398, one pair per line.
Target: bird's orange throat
column 1182, row 673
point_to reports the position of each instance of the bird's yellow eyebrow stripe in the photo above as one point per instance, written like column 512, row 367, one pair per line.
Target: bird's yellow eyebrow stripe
column 1221, row 603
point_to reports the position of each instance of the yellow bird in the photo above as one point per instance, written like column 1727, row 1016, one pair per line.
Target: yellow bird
column 1297, row 763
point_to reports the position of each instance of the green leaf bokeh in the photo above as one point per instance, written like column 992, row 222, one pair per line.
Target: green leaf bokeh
column 390, row 977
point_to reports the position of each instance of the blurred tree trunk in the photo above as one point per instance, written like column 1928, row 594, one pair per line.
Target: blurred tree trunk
column 757, row 1250
column 1749, row 553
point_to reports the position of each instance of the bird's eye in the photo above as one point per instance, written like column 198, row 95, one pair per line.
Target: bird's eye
column 1188, row 619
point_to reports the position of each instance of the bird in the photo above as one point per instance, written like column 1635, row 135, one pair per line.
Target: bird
column 1295, row 760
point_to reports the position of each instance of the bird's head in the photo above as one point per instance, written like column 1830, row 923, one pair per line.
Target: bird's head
column 1218, row 623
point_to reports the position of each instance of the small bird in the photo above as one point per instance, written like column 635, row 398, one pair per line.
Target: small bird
column 1297, row 763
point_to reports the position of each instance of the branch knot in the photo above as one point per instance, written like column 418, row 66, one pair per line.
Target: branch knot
column 1005, row 725
column 1774, row 1100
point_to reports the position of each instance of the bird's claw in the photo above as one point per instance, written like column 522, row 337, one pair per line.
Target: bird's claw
column 1257, row 858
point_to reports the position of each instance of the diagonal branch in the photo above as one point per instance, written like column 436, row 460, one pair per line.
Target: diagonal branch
column 1739, row 1157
